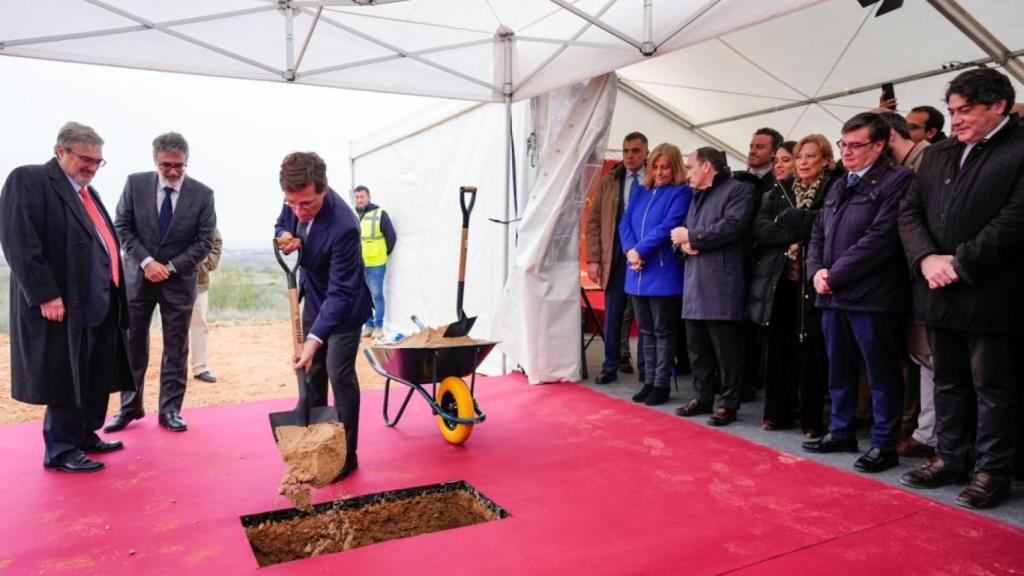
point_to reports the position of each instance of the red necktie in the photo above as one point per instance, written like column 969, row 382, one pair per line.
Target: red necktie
column 108, row 238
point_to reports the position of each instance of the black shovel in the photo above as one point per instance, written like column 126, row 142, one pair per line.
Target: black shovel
column 302, row 415
column 463, row 325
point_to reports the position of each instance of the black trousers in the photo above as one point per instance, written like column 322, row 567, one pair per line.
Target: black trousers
column 657, row 317
column 175, row 318
column 335, row 362
column 984, row 364
column 67, row 428
column 716, row 358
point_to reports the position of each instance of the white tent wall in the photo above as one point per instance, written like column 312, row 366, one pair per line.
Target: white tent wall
column 416, row 179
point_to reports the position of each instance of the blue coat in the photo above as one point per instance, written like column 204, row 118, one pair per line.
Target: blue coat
column 647, row 226
column 333, row 281
column 715, row 285
column 856, row 238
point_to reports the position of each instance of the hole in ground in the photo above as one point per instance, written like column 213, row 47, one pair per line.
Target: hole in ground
column 291, row 534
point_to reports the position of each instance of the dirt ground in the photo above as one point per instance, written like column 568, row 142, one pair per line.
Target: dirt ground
column 251, row 362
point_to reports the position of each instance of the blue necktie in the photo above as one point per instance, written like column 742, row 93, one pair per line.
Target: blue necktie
column 166, row 211
column 634, row 187
column 852, row 179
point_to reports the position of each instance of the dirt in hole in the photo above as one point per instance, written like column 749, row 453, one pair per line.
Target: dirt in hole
column 314, row 455
column 432, row 338
column 339, row 530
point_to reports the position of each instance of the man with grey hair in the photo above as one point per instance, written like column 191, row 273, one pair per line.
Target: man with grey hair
column 68, row 308
column 166, row 222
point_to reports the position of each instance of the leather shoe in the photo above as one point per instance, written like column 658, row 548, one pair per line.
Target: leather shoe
column 643, row 393
column 875, row 460
column 985, row 491
column 933, row 474
column 722, row 416
column 206, row 376
column 693, row 408
column 121, row 419
column 625, row 367
column 911, row 447
column 78, row 464
column 351, row 463
column 103, row 446
column 606, row 378
column 657, row 397
column 828, row 445
column 173, row 422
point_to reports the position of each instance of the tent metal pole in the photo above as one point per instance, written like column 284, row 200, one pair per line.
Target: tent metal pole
column 600, row 24
column 648, row 47
column 289, row 42
column 305, row 45
column 979, row 34
column 507, row 90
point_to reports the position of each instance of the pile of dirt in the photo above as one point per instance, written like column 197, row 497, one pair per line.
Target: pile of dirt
column 433, row 338
column 337, row 530
column 314, row 455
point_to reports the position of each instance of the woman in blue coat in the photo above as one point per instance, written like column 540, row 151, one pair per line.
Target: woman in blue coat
column 654, row 277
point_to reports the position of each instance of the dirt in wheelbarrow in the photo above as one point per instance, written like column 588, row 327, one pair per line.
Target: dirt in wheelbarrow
column 337, row 530
column 314, row 455
column 433, row 338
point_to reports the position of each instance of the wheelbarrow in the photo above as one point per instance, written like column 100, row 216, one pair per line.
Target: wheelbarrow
column 443, row 368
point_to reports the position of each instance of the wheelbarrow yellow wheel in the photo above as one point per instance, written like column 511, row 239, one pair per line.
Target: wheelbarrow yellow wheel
column 455, row 399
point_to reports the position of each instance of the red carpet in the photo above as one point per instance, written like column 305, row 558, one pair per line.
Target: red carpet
column 594, row 486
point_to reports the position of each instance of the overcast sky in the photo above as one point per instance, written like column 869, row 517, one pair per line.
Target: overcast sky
column 238, row 130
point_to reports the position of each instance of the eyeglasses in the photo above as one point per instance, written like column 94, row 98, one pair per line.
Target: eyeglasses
column 854, row 146
column 87, row 160
column 307, row 205
column 179, row 166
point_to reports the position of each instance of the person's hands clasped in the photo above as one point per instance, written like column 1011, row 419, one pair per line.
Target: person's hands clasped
column 821, row 282
column 688, row 250
column 156, row 272
column 634, row 260
column 937, row 270
column 680, row 235
column 288, row 243
column 305, row 360
column 53, row 310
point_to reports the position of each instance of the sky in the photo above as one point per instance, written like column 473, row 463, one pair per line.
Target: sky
column 238, row 130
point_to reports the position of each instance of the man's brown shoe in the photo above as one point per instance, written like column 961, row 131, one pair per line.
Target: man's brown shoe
column 985, row 491
column 933, row 474
column 722, row 416
column 912, row 448
column 693, row 408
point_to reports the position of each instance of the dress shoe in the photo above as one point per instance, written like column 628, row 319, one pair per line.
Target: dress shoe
column 625, row 367
column 206, row 376
column 985, row 491
column 103, row 446
column 78, row 463
column 876, row 460
column 606, row 378
column 173, row 422
column 643, row 393
column 722, row 416
column 933, row 474
column 693, row 408
column 911, row 447
column 657, row 397
column 121, row 419
column 351, row 463
column 827, row 445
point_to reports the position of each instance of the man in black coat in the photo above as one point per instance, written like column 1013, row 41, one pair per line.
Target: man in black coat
column 68, row 309
column 855, row 262
column 962, row 226
column 166, row 222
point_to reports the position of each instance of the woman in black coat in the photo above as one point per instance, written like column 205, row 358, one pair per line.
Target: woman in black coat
column 793, row 357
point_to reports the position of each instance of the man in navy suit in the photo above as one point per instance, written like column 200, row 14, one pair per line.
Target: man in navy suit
column 333, row 284
column 68, row 311
column 166, row 222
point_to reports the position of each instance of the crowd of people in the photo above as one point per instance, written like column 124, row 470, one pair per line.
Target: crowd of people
column 874, row 276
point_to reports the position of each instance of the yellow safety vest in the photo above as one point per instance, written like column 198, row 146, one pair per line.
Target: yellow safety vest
column 375, row 248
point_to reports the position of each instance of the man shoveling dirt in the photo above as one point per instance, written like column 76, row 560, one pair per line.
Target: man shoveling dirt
column 314, row 455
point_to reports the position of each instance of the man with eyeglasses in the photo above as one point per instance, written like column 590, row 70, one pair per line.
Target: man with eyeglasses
column 333, row 287
column 855, row 262
column 68, row 310
column 925, row 124
column 166, row 223
column 962, row 225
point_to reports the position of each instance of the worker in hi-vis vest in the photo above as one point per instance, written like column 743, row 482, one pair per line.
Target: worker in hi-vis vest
column 378, row 236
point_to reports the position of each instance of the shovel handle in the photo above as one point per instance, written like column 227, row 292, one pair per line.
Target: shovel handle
column 293, row 308
column 466, row 211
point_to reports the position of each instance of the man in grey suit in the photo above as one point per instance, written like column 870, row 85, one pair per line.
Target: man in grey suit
column 166, row 222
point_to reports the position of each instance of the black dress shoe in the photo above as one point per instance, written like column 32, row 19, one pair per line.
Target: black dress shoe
column 875, row 460
column 985, row 491
column 625, row 367
column 121, row 419
column 827, row 445
column 606, row 378
column 693, row 408
column 934, row 473
column 78, row 464
column 643, row 393
column 173, row 422
column 722, row 416
column 206, row 376
column 351, row 463
column 657, row 397
column 103, row 446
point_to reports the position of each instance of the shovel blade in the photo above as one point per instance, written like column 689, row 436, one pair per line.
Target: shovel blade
column 300, row 417
column 460, row 327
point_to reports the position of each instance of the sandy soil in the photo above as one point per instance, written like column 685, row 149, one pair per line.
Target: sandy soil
column 251, row 362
